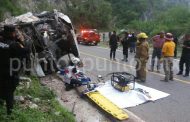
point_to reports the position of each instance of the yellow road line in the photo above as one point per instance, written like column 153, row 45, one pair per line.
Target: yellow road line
column 183, row 81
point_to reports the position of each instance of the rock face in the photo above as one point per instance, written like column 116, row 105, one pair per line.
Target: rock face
column 40, row 5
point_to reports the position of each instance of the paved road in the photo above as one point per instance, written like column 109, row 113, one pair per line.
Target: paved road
column 175, row 108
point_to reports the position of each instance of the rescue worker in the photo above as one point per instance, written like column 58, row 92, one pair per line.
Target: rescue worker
column 158, row 42
column 113, row 45
column 185, row 57
column 168, row 55
column 125, row 44
column 11, row 47
column 142, row 56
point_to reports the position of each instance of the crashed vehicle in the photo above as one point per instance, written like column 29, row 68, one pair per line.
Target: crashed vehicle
column 88, row 36
column 49, row 36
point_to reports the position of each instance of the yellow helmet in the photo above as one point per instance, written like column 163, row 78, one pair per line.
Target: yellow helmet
column 142, row 35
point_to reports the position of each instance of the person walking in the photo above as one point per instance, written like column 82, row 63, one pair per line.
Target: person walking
column 125, row 44
column 142, row 56
column 168, row 55
column 185, row 57
column 113, row 45
column 158, row 42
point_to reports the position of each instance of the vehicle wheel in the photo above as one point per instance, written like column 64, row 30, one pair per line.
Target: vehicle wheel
column 95, row 44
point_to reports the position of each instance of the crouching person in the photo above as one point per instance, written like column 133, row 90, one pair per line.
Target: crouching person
column 142, row 56
column 12, row 52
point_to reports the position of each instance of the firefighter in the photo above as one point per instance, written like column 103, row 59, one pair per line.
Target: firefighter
column 11, row 47
column 142, row 56
column 113, row 45
column 167, row 56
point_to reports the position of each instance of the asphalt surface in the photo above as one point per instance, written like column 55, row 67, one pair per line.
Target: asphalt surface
column 174, row 108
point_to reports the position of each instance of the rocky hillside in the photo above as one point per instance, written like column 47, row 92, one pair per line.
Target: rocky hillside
column 10, row 8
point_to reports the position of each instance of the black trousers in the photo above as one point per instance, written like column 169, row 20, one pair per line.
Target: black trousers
column 8, row 97
column 125, row 51
column 184, row 60
column 112, row 53
column 7, row 88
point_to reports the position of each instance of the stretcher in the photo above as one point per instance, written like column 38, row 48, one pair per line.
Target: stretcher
column 107, row 105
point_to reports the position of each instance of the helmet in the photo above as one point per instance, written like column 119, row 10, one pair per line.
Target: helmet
column 142, row 35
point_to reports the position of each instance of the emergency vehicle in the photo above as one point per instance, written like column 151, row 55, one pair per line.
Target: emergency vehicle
column 88, row 36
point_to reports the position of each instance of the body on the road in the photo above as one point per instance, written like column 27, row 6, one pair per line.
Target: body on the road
column 142, row 56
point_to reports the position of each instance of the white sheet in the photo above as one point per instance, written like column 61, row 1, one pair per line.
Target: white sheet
column 130, row 98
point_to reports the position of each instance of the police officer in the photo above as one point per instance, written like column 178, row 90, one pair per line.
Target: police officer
column 11, row 47
column 125, row 43
column 185, row 57
column 113, row 45
column 142, row 56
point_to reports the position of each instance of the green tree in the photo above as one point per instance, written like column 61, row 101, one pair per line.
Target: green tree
column 90, row 13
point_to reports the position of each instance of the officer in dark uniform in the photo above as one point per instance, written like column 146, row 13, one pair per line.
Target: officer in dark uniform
column 185, row 57
column 11, row 47
column 113, row 45
column 125, row 43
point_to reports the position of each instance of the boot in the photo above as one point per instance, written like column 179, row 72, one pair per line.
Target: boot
column 186, row 75
column 179, row 73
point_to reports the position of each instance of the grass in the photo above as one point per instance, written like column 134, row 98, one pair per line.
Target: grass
column 46, row 111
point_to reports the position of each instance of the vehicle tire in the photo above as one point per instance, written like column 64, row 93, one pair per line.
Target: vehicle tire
column 95, row 44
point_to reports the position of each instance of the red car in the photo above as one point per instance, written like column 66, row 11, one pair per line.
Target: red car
column 88, row 36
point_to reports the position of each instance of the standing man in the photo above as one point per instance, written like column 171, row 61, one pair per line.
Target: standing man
column 11, row 47
column 158, row 42
column 142, row 56
column 133, row 40
column 125, row 43
column 176, row 45
column 168, row 55
column 113, row 45
column 185, row 57
column 103, row 37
